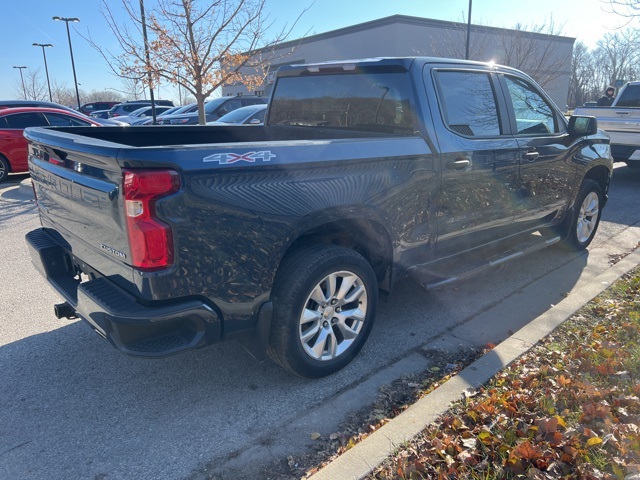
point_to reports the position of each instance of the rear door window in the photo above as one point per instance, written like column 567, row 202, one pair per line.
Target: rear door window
column 24, row 120
column 58, row 120
column 468, row 103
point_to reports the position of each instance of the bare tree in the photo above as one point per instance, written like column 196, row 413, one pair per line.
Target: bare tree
column 454, row 44
column 624, row 8
column 534, row 49
column 133, row 88
column 63, row 94
column 196, row 44
column 35, row 88
column 542, row 57
column 583, row 83
column 102, row 96
column 619, row 54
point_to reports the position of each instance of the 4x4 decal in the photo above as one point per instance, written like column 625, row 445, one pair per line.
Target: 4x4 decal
column 251, row 157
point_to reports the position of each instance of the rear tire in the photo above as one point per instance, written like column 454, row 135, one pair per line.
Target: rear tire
column 586, row 215
column 324, row 300
column 4, row 169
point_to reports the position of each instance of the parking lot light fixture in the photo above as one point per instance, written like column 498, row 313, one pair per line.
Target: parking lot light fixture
column 24, row 90
column 46, row 69
column 73, row 66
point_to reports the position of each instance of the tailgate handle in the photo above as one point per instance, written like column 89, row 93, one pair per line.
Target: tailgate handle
column 622, row 113
column 459, row 163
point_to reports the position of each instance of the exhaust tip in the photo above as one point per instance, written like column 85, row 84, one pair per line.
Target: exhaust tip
column 64, row 310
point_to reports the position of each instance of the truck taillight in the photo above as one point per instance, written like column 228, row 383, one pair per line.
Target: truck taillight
column 150, row 239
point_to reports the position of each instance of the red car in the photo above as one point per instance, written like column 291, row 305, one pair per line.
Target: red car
column 13, row 121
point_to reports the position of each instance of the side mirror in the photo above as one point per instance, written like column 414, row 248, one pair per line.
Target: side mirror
column 255, row 121
column 580, row 125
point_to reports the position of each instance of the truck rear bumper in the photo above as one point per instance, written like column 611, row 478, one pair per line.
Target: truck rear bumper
column 622, row 153
column 155, row 330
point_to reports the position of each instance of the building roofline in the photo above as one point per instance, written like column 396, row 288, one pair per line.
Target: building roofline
column 406, row 19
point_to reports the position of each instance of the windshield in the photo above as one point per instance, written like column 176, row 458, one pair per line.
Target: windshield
column 211, row 105
column 184, row 109
column 377, row 102
column 140, row 111
column 240, row 115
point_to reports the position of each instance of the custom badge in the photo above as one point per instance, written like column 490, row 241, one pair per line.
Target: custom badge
column 230, row 158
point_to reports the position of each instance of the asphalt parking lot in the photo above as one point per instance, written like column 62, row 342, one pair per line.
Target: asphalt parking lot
column 73, row 407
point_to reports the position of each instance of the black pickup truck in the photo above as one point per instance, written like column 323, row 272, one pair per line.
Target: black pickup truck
column 282, row 236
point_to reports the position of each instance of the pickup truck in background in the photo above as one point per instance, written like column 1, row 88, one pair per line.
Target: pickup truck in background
column 166, row 239
column 621, row 121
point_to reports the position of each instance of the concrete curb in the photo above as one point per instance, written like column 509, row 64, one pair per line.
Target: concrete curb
column 362, row 459
column 25, row 187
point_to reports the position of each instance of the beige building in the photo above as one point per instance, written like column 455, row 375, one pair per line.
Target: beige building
column 546, row 58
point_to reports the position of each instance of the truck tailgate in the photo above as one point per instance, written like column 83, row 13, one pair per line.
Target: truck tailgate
column 622, row 124
column 78, row 196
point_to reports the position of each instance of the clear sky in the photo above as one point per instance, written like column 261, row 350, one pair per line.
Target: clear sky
column 30, row 21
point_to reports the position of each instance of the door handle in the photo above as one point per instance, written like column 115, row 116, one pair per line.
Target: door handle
column 459, row 163
column 531, row 156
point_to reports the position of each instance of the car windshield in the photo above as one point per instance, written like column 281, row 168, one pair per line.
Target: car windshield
column 239, row 115
column 211, row 105
column 184, row 109
column 139, row 112
column 172, row 110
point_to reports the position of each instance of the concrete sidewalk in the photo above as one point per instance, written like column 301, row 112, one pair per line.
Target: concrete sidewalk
column 363, row 458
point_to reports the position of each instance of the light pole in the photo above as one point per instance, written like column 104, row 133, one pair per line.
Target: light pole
column 46, row 69
column 73, row 66
column 148, row 62
column 24, row 90
column 466, row 55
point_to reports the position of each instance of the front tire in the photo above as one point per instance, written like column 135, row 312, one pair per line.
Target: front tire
column 586, row 215
column 324, row 300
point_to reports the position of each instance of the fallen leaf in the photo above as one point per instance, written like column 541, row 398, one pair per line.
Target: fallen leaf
column 594, row 441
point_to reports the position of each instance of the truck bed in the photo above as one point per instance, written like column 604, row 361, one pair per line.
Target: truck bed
column 163, row 136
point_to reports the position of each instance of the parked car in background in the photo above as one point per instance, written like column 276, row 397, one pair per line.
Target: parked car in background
column 100, row 114
column 214, row 109
column 125, row 108
column 89, row 108
column 34, row 103
column 249, row 115
column 192, row 107
column 140, row 115
column 13, row 121
column 43, row 104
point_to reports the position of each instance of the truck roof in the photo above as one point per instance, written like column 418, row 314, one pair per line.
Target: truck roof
column 379, row 62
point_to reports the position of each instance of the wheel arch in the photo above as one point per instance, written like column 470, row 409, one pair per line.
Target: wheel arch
column 6, row 159
column 7, row 168
column 601, row 175
column 365, row 236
